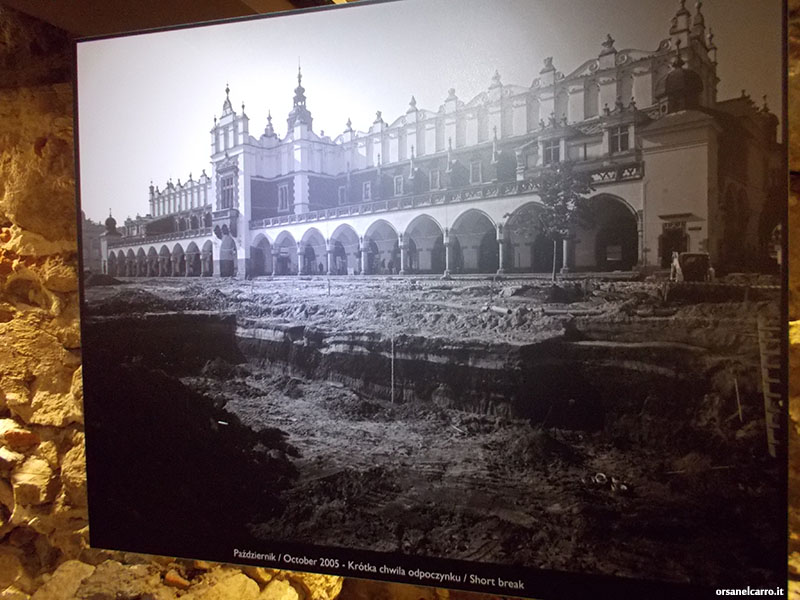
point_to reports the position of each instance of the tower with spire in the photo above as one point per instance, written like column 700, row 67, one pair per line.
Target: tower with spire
column 299, row 121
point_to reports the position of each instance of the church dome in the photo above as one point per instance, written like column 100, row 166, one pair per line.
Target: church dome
column 681, row 87
column 111, row 224
column 682, row 82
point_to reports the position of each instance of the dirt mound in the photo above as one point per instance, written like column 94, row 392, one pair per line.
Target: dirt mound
column 222, row 369
column 128, row 301
column 535, row 448
column 337, row 498
column 100, row 279
column 172, row 458
column 350, row 405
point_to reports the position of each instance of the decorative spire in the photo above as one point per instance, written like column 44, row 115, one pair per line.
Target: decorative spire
column 378, row 116
column 227, row 109
column 299, row 91
column 712, row 47
column 608, row 46
column 412, row 105
column 698, row 18
column 495, row 80
column 678, row 62
column 680, row 22
column 299, row 113
column 698, row 23
column 269, row 131
column 349, row 125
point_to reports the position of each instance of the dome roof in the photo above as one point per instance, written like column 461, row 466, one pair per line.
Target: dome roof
column 680, row 84
column 111, row 224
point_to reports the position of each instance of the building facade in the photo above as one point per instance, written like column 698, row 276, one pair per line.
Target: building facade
column 445, row 191
column 91, row 236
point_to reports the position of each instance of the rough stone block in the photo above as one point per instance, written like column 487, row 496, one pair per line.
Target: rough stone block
column 16, row 437
column 225, row 585
column 112, row 580
column 260, row 575
column 313, row 585
column 11, row 568
column 279, row 590
column 32, row 482
column 73, row 475
column 174, row 579
column 64, row 582
column 9, row 459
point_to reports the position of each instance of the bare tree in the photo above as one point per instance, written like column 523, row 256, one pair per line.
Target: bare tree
column 563, row 194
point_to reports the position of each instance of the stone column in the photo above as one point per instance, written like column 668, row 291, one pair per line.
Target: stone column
column 363, row 257
column 446, row 240
column 500, row 245
column 301, row 259
column 640, row 262
column 566, row 246
column 402, row 267
column 275, row 253
column 329, row 256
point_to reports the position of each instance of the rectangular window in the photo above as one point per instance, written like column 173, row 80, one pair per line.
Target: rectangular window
column 398, row 185
column 475, row 175
column 283, row 197
column 436, row 179
column 551, row 152
column 342, row 195
column 617, row 139
column 366, row 191
column 228, row 194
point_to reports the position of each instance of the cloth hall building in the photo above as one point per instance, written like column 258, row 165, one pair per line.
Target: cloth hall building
column 673, row 168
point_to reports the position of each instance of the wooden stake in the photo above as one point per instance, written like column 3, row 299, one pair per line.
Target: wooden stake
column 738, row 399
column 392, row 368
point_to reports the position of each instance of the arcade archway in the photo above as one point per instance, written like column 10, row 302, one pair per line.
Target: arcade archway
column 424, row 246
column 286, row 254
column 261, row 256
column 346, row 251
column 227, row 257
column 313, row 253
column 473, row 241
column 383, row 249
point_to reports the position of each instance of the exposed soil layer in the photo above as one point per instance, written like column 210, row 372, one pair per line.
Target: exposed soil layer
column 656, row 470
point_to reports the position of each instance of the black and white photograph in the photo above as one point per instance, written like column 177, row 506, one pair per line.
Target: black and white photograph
column 466, row 294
